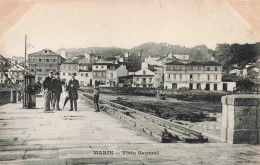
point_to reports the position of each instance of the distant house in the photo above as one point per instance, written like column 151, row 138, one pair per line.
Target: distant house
column 68, row 68
column 237, row 72
column 182, row 57
column 40, row 63
column 107, row 73
column 143, row 78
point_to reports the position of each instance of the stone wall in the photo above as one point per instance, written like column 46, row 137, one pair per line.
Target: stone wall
column 241, row 119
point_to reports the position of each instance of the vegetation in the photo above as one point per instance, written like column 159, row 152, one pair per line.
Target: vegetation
column 236, row 54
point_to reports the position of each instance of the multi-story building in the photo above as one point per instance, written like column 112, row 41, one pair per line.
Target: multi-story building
column 85, row 75
column 194, row 75
column 67, row 68
column 40, row 63
column 107, row 74
column 99, row 72
column 85, row 78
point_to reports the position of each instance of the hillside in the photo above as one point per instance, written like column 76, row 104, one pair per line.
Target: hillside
column 198, row 53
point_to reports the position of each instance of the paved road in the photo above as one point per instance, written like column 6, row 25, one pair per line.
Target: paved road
column 30, row 136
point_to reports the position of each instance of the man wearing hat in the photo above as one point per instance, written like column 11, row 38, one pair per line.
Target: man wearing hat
column 73, row 92
column 47, row 87
column 56, row 91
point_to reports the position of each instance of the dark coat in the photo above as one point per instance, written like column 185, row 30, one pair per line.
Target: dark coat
column 56, row 84
column 47, row 83
column 73, row 91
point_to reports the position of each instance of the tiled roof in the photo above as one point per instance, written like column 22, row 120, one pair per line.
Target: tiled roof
column 42, row 52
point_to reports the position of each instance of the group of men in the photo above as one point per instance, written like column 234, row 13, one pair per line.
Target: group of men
column 52, row 86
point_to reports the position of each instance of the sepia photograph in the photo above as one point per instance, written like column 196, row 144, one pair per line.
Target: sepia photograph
column 129, row 82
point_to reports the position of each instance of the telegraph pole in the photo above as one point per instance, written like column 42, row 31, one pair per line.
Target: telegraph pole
column 25, row 49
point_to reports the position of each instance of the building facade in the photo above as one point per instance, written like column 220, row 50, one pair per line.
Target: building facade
column 193, row 75
column 42, row 62
column 67, row 68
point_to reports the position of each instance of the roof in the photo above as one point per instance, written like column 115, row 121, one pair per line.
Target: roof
column 103, row 64
column 42, row 52
column 129, row 76
column 70, row 61
column 174, row 63
column 194, row 63
column 211, row 63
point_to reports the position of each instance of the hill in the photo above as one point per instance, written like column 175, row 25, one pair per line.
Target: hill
column 198, row 53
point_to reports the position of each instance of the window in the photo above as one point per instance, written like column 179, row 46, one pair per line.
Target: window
column 208, row 69
column 69, row 74
column 75, row 67
column 96, row 67
column 169, row 76
column 137, row 79
column 174, row 76
column 198, row 76
column 216, row 77
column 150, row 80
column 144, row 72
column 102, row 66
column 208, row 77
column 191, row 77
column 63, row 74
column 180, row 76
column 111, row 75
column 47, row 60
column 86, row 74
column 216, row 69
column 47, row 70
column 144, row 80
column 75, row 74
column 54, row 60
column 32, row 70
column 81, row 74
column 40, row 60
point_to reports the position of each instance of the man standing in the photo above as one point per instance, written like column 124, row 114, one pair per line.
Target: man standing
column 96, row 96
column 56, row 91
column 47, row 87
column 73, row 92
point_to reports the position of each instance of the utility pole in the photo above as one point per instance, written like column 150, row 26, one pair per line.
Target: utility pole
column 25, row 49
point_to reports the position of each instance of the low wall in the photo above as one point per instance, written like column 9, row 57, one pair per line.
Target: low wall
column 129, row 90
column 189, row 95
column 241, row 119
column 5, row 97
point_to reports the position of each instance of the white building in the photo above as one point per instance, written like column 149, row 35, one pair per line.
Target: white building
column 194, row 75
column 107, row 74
column 145, row 78
column 152, row 61
column 182, row 57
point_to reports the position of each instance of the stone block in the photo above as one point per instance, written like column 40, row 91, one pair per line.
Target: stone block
column 247, row 136
column 240, row 100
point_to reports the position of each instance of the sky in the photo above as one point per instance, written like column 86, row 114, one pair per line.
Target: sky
column 126, row 24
